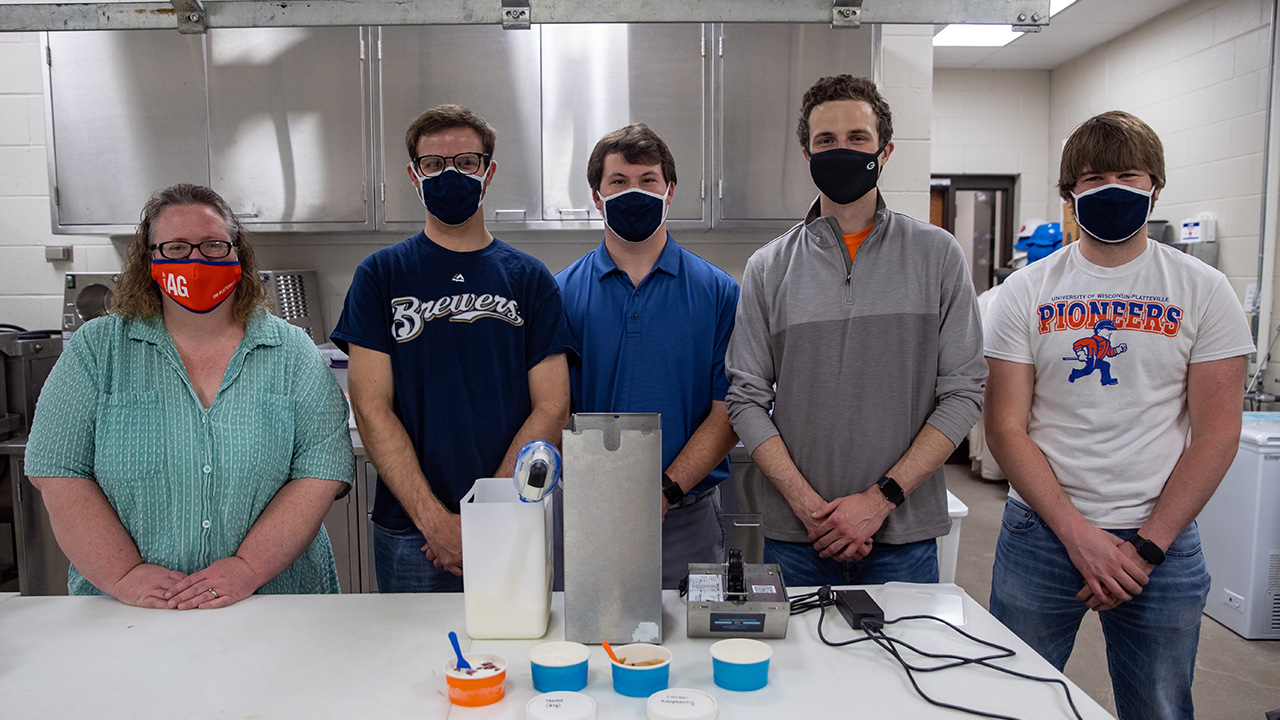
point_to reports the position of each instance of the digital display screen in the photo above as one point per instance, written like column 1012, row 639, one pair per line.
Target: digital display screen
column 737, row 622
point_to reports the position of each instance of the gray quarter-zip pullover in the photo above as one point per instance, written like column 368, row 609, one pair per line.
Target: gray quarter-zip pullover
column 848, row 360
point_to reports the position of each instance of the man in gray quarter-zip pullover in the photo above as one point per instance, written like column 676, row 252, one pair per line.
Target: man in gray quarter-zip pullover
column 856, row 363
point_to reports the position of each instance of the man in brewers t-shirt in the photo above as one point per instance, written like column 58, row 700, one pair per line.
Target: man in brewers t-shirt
column 1107, row 474
column 457, row 344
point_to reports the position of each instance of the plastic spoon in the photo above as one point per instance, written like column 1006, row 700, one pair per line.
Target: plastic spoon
column 462, row 663
column 608, row 650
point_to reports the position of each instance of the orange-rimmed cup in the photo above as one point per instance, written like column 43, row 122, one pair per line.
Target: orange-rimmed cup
column 480, row 686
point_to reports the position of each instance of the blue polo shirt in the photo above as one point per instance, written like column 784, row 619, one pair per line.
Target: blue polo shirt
column 657, row 347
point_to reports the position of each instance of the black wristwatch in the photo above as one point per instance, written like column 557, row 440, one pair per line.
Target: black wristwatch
column 1147, row 550
column 892, row 490
column 671, row 490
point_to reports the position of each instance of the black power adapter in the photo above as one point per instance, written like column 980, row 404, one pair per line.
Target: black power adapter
column 856, row 606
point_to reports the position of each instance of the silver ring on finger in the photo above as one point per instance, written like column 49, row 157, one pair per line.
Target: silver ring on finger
column 214, row 593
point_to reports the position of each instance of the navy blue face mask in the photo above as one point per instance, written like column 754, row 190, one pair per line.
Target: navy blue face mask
column 451, row 196
column 1113, row 213
column 845, row 175
column 635, row 215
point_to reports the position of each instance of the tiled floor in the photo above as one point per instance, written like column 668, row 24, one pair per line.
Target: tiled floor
column 1236, row 679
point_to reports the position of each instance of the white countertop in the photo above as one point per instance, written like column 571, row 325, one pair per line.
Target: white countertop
column 366, row 656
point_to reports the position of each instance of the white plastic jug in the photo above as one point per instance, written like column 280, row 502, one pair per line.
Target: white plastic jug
column 506, row 562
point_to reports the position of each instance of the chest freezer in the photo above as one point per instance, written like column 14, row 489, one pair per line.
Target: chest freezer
column 1241, row 536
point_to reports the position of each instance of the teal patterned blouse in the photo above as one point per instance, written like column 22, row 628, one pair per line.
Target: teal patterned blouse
column 187, row 482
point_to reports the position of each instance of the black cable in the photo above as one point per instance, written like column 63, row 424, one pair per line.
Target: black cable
column 879, row 638
column 887, row 642
column 801, row 604
column 873, row 631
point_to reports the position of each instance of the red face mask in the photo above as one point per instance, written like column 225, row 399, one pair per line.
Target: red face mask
column 197, row 285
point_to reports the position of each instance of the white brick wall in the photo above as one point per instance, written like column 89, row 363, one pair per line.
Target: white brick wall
column 31, row 288
column 995, row 122
column 906, row 81
column 1198, row 76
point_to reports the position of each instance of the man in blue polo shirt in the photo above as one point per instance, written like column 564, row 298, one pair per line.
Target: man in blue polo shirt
column 651, row 322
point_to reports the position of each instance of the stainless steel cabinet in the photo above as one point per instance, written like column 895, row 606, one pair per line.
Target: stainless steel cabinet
column 344, row 526
column 274, row 119
column 288, row 131
column 492, row 71
column 302, row 128
column 742, row 505
column 598, row 78
column 125, row 113
column 42, row 567
column 367, row 486
column 762, row 71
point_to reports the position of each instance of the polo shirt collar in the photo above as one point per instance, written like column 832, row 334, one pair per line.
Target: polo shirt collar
column 668, row 262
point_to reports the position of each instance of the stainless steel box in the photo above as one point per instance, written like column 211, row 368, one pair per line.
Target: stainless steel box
column 613, row 528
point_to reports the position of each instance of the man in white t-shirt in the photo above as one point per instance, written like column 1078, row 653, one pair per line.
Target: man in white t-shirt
column 1107, row 474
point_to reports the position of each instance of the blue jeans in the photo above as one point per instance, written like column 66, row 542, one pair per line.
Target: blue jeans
column 402, row 567
column 910, row 562
column 1151, row 639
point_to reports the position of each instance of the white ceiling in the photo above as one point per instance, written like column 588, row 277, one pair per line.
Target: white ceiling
column 1084, row 25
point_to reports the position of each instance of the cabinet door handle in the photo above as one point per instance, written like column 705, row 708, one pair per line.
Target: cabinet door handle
column 245, row 214
column 509, row 214
column 585, row 214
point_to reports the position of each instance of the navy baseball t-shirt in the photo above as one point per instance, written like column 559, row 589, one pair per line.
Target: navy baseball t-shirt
column 463, row 329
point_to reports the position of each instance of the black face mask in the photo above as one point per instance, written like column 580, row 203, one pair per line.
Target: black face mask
column 845, row 175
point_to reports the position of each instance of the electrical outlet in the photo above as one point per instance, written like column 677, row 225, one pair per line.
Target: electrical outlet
column 1234, row 601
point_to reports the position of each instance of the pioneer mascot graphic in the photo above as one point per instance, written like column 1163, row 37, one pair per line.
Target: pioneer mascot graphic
column 1094, row 350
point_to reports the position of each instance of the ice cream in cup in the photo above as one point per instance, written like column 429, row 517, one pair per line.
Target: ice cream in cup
column 642, row 669
column 559, row 666
column 483, row 684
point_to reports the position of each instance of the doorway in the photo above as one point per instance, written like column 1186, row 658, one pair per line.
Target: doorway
column 978, row 211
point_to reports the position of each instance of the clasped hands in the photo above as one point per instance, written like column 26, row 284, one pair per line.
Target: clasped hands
column 444, row 542
column 224, row 582
column 1113, row 571
column 842, row 528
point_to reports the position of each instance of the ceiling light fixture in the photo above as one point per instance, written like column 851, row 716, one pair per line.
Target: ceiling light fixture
column 958, row 35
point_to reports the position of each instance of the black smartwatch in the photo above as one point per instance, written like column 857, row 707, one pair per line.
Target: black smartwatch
column 892, row 490
column 671, row 490
column 1147, row 550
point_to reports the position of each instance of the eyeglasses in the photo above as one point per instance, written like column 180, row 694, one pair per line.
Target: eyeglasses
column 181, row 249
column 468, row 162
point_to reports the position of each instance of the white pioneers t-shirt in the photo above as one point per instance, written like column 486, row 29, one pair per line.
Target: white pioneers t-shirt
column 1112, row 446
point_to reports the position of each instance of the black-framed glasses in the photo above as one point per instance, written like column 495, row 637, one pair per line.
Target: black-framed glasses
column 181, row 249
column 467, row 162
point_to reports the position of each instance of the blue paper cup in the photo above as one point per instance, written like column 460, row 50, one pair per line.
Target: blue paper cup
column 740, row 664
column 641, row 680
column 559, row 666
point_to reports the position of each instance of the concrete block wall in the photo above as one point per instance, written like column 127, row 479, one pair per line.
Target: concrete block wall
column 906, row 81
column 1199, row 76
column 995, row 122
column 31, row 288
